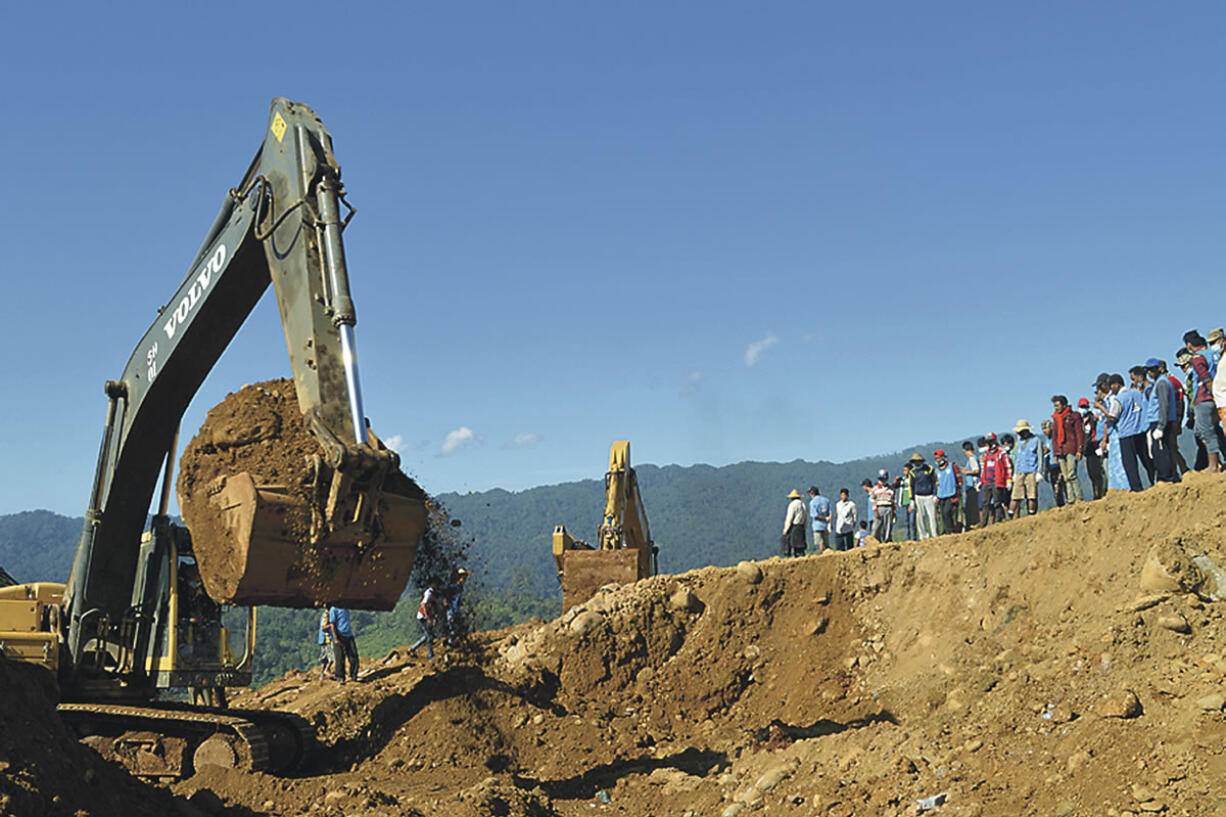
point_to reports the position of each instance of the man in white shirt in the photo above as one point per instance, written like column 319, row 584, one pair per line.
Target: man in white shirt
column 845, row 521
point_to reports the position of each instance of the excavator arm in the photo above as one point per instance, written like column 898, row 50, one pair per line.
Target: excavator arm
column 625, row 552
column 280, row 225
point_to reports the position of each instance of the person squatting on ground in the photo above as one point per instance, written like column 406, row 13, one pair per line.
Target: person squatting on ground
column 1068, row 445
column 819, row 515
column 793, row 540
column 882, row 497
column 344, row 645
column 427, row 616
column 949, row 491
column 1028, row 470
column 970, row 503
column 845, row 521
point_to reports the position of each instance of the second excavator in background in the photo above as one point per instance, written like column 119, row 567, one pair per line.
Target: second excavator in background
column 624, row 551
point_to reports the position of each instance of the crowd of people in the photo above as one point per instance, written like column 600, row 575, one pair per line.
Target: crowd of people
column 1128, row 430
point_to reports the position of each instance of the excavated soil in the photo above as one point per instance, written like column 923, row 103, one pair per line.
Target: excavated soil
column 44, row 771
column 1066, row 664
column 259, row 430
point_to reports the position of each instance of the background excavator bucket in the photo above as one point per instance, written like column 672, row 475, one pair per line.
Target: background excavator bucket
column 265, row 546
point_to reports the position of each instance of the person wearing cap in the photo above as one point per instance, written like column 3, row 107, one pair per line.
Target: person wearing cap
column 1028, row 474
column 1180, row 411
column 949, row 490
column 1068, row 445
column 845, row 521
column 1183, row 359
column 1205, row 417
column 1217, row 345
column 882, row 498
column 819, row 516
column 998, row 472
column 1093, row 460
column 970, row 484
column 1159, row 417
column 792, row 543
column 1130, row 427
column 924, row 496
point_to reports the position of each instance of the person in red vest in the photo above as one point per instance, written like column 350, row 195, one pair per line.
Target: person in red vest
column 1067, row 444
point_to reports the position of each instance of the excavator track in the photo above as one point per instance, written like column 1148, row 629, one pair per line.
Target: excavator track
column 171, row 741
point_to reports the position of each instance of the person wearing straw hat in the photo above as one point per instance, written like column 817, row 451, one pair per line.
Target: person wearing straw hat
column 1028, row 471
column 793, row 543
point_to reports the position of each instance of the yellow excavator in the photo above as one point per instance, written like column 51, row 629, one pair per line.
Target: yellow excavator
column 145, row 611
column 624, row 551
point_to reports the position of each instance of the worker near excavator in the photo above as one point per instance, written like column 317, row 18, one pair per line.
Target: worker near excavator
column 454, row 592
column 819, row 512
column 792, row 543
column 344, row 645
column 427, row 615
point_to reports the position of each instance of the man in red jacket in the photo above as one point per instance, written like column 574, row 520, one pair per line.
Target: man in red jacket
column 1068, row 443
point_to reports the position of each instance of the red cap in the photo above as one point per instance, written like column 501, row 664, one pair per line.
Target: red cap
column 1083, row 403
column 990, row 436
column 940, row 452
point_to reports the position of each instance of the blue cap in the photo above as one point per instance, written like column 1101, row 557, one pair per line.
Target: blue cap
column 1153, row 363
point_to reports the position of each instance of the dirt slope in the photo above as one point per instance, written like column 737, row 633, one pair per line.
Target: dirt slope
column 1070, row 664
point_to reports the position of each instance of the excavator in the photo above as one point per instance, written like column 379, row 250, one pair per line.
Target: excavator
column 144, row 610
column 624, row 551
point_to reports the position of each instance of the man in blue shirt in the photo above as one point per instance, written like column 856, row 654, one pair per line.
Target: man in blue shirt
column 1028, row 471
column 345, row 645
column 1130, row 428
column 819, row 514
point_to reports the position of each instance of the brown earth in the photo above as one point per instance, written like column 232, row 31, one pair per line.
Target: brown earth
column 1066, row 664
column 260, row 430
column 44, row 771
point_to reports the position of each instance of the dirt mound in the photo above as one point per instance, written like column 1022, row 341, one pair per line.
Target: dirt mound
column 45, row 771
column 1032, row 668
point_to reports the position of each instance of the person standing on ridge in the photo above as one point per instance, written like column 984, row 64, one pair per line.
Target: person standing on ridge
column 1181, row 412
column 902, row 493
column 1068, row 445
column 819, row 514
column 970, row 504
column 1051, row 464
column 1029, row 471
column 846, row 521
column 793, row 543
column 882, row 497
column 1159, row 415
column 924, row 496
column 1130, row 426
column 1204, row 412
column 949, row 490
column 987, row 478
column 1094, row 461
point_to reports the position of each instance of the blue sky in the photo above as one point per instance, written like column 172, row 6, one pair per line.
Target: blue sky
column 724, row 231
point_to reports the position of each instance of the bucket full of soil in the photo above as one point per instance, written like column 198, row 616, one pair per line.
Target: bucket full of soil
column 272, row 524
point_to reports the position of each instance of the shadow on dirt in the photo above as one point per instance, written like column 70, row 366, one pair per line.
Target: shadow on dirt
column 699, row 763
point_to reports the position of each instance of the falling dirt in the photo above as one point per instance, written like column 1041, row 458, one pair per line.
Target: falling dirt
column 260, row 430
column 1067, row 664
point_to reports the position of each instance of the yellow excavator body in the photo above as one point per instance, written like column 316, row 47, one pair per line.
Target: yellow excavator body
column 624, row 552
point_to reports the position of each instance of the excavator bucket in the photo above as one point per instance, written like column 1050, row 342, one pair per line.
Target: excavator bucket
column 266, row 546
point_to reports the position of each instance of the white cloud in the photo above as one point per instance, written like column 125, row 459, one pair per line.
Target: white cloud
column 754, row 350
column 525, row 439
column 396, row 443
column 693, row 384
column 462, row 436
